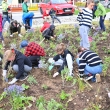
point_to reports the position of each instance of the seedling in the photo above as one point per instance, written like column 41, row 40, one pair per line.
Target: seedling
column 63, row 95
column 45, row 87
column 31, row 80
column 25, row 87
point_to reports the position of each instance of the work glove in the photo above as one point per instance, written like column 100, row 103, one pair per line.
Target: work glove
column 52, row 65
column 4, row 75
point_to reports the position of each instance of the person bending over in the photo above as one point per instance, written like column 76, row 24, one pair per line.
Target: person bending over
column 63, row 58
column 20, row 64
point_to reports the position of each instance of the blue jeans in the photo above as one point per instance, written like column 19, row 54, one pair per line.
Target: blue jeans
column 53, row 18
column 5, row 18
column 101, row 22
column 83, row 31
column 1, row 36
column 93, row 70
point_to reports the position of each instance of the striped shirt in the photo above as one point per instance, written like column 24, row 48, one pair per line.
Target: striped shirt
column 88, row 58
column 85, row 17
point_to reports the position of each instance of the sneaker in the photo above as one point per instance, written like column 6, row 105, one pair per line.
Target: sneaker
column 88, row 77
column 98, row 78
column 11, row 35
column 22, row 78
column 20, row 35
column 56, row 74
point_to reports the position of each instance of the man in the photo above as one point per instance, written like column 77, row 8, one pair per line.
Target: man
column 33, row 51
column 5, row 12
column 15, row 27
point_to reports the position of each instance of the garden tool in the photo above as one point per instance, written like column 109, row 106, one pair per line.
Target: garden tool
column 41, row 41
column 51, row 66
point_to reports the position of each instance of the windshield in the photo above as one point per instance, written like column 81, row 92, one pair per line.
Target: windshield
column 58, row 1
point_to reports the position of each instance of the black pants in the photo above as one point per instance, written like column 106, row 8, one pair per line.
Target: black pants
column 27, row 26
column 34, row 60
column 15, row 29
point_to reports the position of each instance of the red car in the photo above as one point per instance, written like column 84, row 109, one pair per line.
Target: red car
column 60, row 6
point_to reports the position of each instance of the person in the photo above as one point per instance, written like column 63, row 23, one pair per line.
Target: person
column 102, row 13
column 1, row 36
column 27, row 16
column 33, row 51
column 63, row 58
column 52, row 13
column 49, row 32
column 45, row 14
column 45, row 25
column 15, row 27
column 85, row 19
column 5, row 12
column 20, row 64
column 94, row 10
column 90, row 64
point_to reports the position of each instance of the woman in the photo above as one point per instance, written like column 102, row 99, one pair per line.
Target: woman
column 89, row 63
column 20, row 64
column 63, row 58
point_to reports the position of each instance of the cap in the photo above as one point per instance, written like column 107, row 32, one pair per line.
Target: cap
column 23, row 44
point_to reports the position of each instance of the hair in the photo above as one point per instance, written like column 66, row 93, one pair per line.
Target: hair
column 90, row 1
column 81, row 49
column 60, row 47
column 8, row 54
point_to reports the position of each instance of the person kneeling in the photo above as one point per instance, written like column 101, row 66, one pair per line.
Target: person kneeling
column 33, row 51
column 49, row 33
column 20, row 64
column 15, row 27
column 63, row 58
column 90, row 64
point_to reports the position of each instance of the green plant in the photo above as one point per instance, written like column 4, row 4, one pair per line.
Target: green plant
column 31, row 80
column 25, row 87
column 2, row 96
column 63, row 95
column 45, row 87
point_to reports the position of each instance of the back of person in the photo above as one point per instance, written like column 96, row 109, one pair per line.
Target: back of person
column 52, row 12
column 33, row 49
column 4, row 6
column 0, row 22
column 45, row 26
column 25, row 7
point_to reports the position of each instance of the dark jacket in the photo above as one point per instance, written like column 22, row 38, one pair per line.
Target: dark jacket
column 49, row 32
column 52, row 12
column 20, row 60
column 14, row 21
column 63, row 57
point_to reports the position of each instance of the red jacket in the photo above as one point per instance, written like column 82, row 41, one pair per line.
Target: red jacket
column 45, row 13
column 45, row 26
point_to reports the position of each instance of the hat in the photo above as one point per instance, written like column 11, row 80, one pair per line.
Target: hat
column 23, row 44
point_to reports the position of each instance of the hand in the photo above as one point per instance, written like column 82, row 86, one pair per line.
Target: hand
column 102, row 17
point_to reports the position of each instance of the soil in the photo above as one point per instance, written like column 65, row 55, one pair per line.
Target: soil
column 81, row 100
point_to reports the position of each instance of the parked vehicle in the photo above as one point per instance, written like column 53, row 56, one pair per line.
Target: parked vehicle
column 106, row 3
column 60, row 6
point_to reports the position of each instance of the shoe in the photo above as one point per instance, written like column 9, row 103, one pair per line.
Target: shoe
column 20, row 35
column 88, row 77
column 98, row 78
column 56, row 74
column 13, row 81
column 22, row 78
column 11, row 35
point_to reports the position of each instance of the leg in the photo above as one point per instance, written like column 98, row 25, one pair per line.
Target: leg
column 100, row 22
column 4, row 20
column 103, row 26
column 27, row 68
column 80, row 32
column 19, row 29
column 28, row 24
column 57, row 19
column 34, row 60
column 52, row 19
column 62, row 67
column 8, row 19
column 11, row 29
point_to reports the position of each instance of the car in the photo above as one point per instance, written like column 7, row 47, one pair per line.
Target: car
column 60, row 6
column 106, row 3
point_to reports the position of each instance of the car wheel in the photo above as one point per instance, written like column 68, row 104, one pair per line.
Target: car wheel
column 41, row 11
column 108, row 6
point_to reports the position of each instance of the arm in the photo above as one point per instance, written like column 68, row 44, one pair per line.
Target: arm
column 27, row 52
column 6, row 65
column 103, row 10
column 42, row 29
column 56, row 58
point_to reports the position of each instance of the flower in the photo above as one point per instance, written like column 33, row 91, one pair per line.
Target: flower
column 14, row 89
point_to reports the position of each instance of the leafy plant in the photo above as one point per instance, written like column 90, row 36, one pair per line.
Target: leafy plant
column 31, row 80
column 63, row 95
column 2, row 96
column 25, row 87
column 45, row 87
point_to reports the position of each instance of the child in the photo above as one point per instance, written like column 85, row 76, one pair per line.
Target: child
column 52, row 13
column 45, row 25
column 20, row 64
column 1, row 36
column 89, row 63
column 85, row 19
column 15, row 27
column 102, row 13
column 49, row 33
column 63, row 58
column 33, row 51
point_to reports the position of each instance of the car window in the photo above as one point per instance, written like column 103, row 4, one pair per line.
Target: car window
column 58, row 1
column 46, row 1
